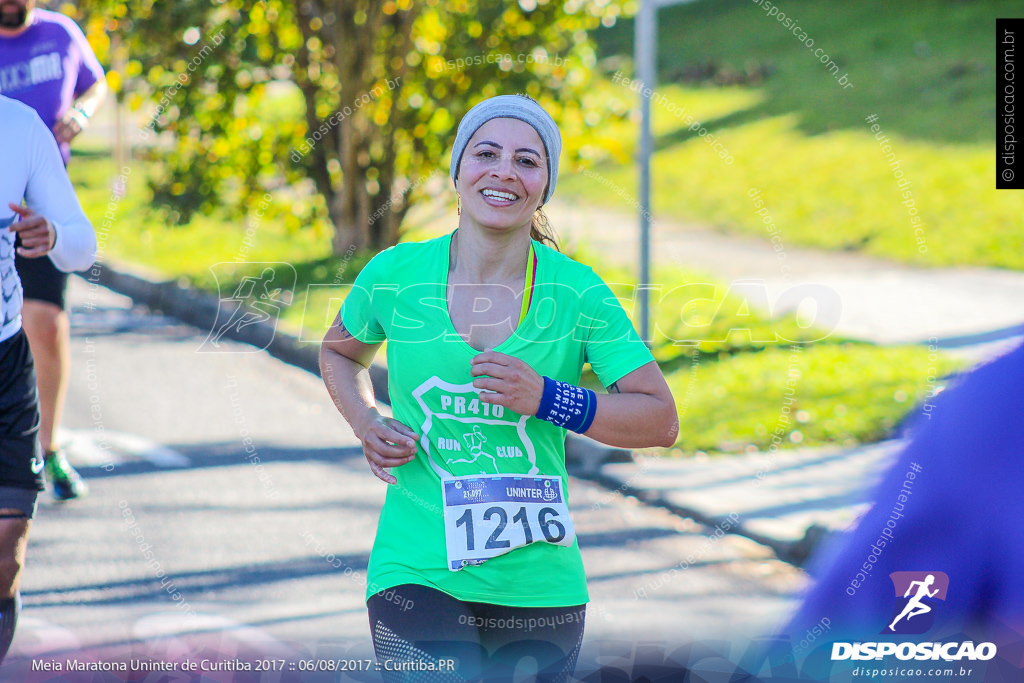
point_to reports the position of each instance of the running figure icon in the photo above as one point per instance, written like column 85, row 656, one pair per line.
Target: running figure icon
column 255, row 288
column 475, row 440
column 254, row 300
column 915, row 606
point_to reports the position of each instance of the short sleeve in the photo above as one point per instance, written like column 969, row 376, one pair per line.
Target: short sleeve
column 611, row 343
column 90, row 72
column 359, row 312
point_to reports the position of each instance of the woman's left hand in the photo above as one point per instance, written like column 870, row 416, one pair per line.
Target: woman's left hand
column 509, row 382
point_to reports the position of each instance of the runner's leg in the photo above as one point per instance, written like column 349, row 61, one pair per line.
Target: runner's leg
column 547, row 637
column 21, row 468
column 46, row 324
column 415, row 626
column 14, row 527
column 49, row 335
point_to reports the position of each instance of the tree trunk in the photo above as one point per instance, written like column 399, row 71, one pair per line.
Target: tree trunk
column 384, row 231
column 352, row 219
column 359, row 219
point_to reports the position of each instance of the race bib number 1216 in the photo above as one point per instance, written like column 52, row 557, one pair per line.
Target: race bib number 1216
column 486, row 516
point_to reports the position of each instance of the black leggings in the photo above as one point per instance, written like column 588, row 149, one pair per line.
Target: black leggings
column 425, row 635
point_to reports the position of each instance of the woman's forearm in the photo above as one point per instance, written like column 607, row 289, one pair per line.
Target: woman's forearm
column 639, row 411
column 634, row 420
column 350, row 388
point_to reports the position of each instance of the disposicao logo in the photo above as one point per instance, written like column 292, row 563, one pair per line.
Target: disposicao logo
column 917, row 596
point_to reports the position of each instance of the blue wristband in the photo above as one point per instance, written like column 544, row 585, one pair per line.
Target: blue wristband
column 567, row 405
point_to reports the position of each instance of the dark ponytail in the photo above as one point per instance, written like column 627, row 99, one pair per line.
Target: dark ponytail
column 540, row 229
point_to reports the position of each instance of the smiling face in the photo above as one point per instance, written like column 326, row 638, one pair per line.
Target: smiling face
column 503, row 175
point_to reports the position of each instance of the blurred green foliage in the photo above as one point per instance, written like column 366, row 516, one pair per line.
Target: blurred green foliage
column 341, row 108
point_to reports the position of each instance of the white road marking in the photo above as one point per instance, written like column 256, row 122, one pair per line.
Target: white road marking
column 232, row 634
column 224, row 637
column 100, row 448
column 38, row 636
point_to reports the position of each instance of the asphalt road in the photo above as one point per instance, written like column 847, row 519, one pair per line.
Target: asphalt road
column 185, row 546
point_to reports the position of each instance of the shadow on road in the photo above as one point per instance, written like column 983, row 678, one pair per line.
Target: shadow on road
column 194, row 583
column 229, row 454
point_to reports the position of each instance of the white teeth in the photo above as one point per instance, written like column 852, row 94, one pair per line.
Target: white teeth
column 507, row 196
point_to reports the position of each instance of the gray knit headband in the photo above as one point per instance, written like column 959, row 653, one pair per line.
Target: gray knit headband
column 511, row 107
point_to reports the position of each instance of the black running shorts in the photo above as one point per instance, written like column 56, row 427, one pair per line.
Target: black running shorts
column 21, row 461
column 41, row 280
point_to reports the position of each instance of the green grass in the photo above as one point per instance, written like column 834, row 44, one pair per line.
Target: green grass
column 928, row 64
column 697, row 312
column 924, row 68
column 210, row 252
column 844, row 393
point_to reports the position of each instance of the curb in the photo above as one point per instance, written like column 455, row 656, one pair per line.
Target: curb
column 795, row 553
column 201, row 310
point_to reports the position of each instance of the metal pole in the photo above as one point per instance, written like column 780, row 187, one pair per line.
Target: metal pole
column 645, row 44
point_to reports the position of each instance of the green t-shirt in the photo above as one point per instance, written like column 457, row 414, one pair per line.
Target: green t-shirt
column 573, row 318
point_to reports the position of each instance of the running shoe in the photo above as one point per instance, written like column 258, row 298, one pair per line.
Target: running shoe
column 67, row 483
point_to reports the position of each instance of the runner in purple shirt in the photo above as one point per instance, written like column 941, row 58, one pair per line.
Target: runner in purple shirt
column 47, row 64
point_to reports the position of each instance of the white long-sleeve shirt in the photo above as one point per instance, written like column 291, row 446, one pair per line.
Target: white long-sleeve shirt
column 31, row 168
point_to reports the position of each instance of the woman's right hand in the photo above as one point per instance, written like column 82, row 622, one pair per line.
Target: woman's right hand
column 387, row 443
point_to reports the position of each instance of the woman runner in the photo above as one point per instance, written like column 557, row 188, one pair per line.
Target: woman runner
column 476, row 564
